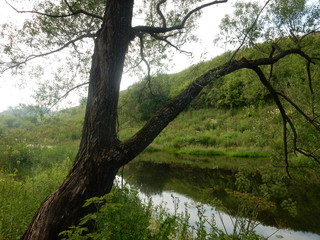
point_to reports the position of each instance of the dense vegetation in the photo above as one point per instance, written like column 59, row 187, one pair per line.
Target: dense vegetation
column 234, row 117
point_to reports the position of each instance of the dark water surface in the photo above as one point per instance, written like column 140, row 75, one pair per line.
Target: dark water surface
column 163, row 182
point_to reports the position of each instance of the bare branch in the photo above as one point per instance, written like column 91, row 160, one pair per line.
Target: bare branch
column 73, row 13
column 271, row 66
column 67, row 93
column 309, row 33
column 133, row 67
column 31, row 57
column 284, row 116
column 316, row 124
column 311, row 155
column 311, row 87
column 249, row 30
column 164, row 22
column 198, row 9
column 143, row 57
column 164, row 39
column 152, row 30
column 296, row 148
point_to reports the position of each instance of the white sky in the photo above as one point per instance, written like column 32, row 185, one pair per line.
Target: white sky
column 12, row 95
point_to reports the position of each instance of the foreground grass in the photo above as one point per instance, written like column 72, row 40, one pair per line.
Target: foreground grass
column 123, row 216
column 21, row 198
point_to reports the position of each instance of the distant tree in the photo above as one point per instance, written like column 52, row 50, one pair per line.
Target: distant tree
column 69, row 25
column 30, row 112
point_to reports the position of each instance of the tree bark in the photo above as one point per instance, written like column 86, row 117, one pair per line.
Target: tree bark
column 98, row 159
column 101, row 154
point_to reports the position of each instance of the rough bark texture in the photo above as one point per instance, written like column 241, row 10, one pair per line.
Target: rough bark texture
column 98, row 159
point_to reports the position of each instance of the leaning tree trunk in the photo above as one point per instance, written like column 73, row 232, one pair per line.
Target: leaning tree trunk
column 101, row 154
column 98, row 159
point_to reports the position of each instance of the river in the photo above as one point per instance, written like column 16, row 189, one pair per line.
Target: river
column 172, row 183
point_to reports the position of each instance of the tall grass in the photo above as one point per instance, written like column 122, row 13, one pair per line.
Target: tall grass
column 245, row 132
column 21, row 198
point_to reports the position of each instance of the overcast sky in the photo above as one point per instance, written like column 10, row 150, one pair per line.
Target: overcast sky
column 11, row 94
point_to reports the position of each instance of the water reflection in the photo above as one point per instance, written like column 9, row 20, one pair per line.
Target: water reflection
column 226, row 221
column 191, row 184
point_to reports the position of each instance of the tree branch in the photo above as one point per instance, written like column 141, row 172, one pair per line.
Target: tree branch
column 249, row 30
column 164, row 39
column 315, row 123
column 295, row 140
column 73, row 12
column 137, row 143
column 164, row 21
column 31, row 57
column 311, row 155
column 284, row 116
column 143, row 57
column 286, row 119
column 153, row 30
column 67, row 93
column 311, row 87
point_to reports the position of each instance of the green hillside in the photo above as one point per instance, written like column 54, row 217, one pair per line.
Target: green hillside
column 234, row 115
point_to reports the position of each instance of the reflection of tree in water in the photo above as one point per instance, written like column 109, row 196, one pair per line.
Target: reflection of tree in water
column 153, row 178
column 149, row 178
column 204, row 185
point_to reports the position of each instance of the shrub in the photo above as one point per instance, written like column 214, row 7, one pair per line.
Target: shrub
column 15, row 155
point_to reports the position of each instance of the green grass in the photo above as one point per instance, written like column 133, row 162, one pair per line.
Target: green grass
column 21, row 198
column 201, row 152
column 218, row 161
column 211, row 132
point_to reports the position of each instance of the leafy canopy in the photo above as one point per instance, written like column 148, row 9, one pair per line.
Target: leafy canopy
column 284, row 18
column 61, row 33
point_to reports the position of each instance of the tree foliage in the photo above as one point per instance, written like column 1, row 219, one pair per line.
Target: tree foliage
column 71, row 26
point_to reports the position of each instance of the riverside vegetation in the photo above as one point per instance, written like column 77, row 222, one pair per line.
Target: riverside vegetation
column 233, row 118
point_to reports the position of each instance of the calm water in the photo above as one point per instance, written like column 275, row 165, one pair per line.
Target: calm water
column 163, row 182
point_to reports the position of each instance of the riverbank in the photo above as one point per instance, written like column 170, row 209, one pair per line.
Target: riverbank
column 248, row 132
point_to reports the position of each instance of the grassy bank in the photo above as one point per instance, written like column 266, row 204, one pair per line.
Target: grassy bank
column 248, row 132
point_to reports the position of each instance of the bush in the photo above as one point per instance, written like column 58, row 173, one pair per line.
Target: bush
column 15, row 155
